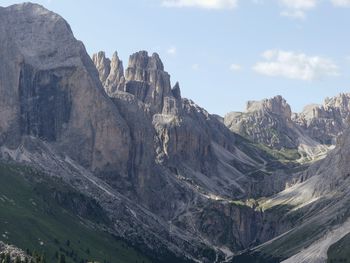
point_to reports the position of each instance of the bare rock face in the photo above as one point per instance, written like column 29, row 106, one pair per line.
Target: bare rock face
column 268, row 122
column 166, row 171
column 272, row 123
column 111, row 72
column 145, row 78
column 325, row 122
column 49, row 89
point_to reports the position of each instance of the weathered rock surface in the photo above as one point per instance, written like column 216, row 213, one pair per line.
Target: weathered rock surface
column 50, row 89
column 111, row 72
column 151, row 159
column 268, row 122
column 271, row 122
column 325, row 122
column 173, row 179
column 13, row 251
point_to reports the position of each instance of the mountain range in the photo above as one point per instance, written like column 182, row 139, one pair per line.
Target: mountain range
column 119, row 167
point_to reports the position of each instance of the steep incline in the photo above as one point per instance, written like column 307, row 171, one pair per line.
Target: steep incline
column 167, row 173
column 49, row 89
column 314, row 211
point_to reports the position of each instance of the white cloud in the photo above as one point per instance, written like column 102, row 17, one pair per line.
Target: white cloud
column 295, row 65
column 296, row 8
column 172, row 51
column 206, row 4
column 235, row 67
column 297, row 14
column 341, row 3
column 299, row 4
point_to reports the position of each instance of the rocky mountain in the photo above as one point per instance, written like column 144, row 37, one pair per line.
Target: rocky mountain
column 161, row 167
column 172, row 180
column 312, row 132
column 325, row 122
column 314, row 211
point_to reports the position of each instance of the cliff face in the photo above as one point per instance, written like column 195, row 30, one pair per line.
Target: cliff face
column 272, row 123
column 268, row 122
column 172, row 178
column 153, row 160
column 325, row 122
column 50, row 90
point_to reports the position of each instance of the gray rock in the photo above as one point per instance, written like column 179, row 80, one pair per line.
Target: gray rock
column 50, row 89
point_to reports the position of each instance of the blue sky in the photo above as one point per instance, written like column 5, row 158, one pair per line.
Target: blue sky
column 225, row 52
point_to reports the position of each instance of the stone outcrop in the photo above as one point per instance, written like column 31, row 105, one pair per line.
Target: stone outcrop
column 50, row 89
column 268, row 122
column 325, row 122
column 111, row 72
column 272, row 123
column 13, row 252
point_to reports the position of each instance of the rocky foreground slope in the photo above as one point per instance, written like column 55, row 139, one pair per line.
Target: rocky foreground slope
column 174, row 181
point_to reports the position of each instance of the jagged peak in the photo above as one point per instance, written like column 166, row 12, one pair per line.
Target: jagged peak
column 176, row 91
column 277, row 105
column 142, row 60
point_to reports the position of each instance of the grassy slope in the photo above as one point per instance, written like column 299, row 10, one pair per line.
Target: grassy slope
column 31, row 218
column 340, row 251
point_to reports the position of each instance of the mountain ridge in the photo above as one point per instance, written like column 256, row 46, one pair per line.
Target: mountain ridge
column 171, row 178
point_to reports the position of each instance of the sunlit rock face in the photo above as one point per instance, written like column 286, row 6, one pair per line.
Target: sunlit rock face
column 268, row 122
column 272, row 123
column 325, row 122
column 111, row 72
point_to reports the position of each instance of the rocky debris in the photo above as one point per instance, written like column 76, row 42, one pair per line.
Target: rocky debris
column 13, row 251
column 315, row 205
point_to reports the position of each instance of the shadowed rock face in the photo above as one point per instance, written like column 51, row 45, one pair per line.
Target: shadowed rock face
column 45, row 103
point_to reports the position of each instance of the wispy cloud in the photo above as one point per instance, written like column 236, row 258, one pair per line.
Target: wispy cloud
column 295, row 65
column 341, row 3
column 235, row 67
column 172, row 50
column 297, row 8
column 205, row 4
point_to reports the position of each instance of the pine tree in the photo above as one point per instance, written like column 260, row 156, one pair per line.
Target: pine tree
column 62, row 259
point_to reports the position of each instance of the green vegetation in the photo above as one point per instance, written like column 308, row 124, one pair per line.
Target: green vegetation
column 340, row 251
column 38, row 215
column 283, row 154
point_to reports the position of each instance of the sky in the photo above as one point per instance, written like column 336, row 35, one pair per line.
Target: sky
column 225, row 52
